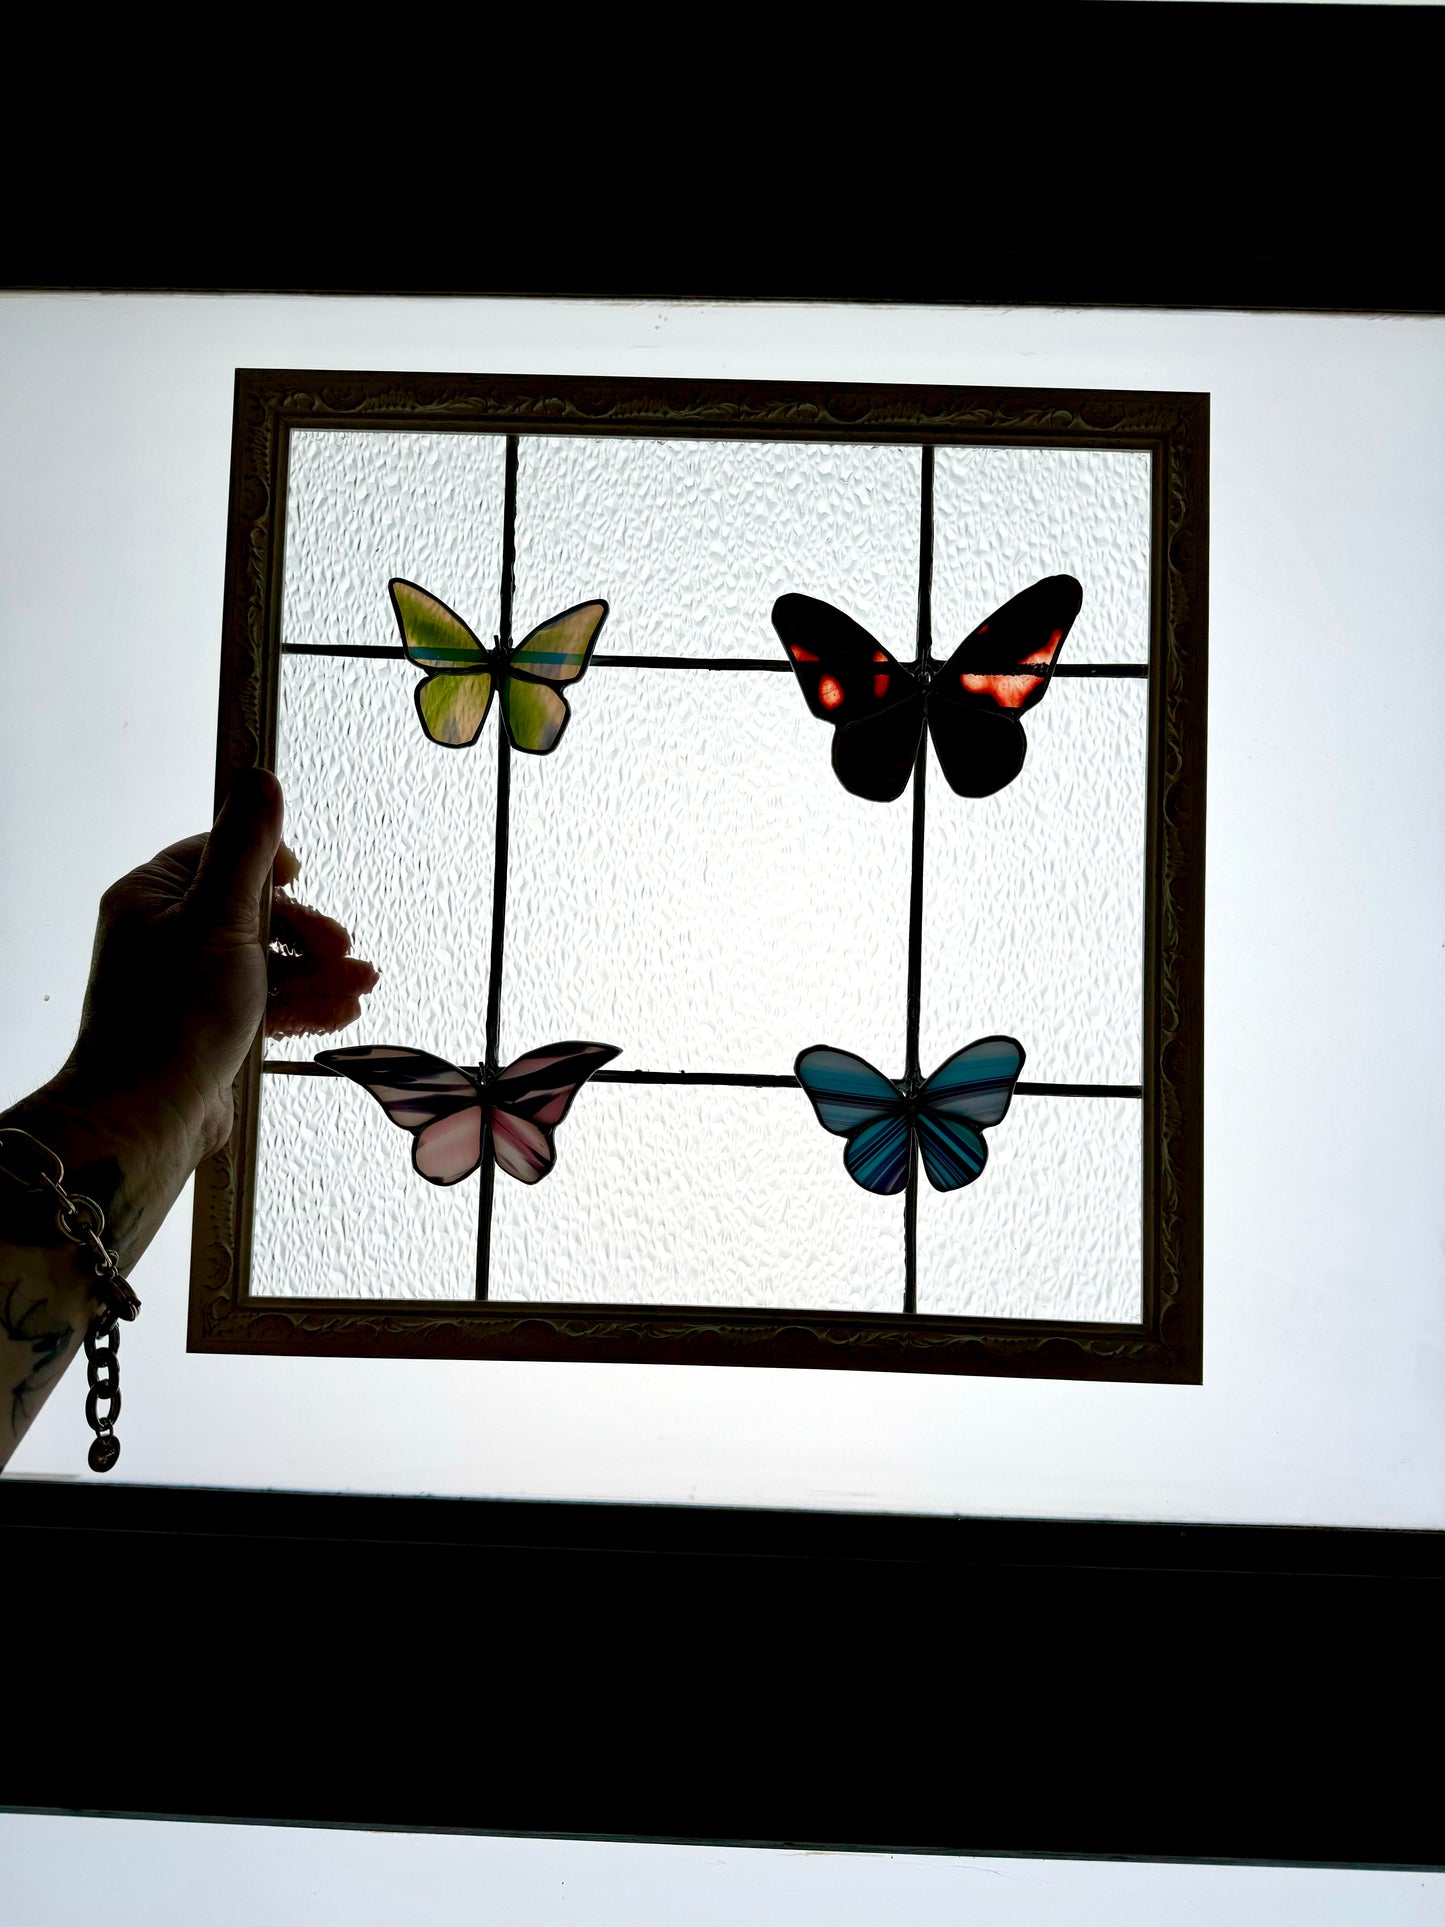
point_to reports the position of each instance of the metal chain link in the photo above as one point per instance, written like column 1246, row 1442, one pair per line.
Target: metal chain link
column 81, row 1220
column 102, row 1369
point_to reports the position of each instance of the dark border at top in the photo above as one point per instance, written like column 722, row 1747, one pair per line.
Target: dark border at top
column 1187, row 281
column 1174, row 428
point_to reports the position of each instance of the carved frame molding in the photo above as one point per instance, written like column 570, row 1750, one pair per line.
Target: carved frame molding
column 1166, row 1347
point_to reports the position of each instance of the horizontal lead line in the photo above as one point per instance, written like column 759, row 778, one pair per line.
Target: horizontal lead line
column 761, row 1082
column 1140, row 669
column 1023, row 1089
column 285, row 1067
column 766, row 665
column 397, row 653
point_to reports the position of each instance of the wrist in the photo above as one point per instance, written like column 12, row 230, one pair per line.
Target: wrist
column 129, row 1148
column 160, row 1117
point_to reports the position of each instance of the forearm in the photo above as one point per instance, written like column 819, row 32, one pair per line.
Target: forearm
column 132, row 1156
column 179, row 984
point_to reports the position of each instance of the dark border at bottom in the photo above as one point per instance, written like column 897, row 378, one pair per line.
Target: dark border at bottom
column 929, row 1685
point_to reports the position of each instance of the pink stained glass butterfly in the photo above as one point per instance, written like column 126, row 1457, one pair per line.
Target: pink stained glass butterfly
column 447, row 1110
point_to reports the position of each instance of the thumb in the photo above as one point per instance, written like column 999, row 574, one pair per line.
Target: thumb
column 238, row 856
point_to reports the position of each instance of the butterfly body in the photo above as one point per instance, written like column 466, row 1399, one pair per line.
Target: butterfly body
column 453, row 1114
column 970, row 704
column 943, row 1116
column 453, row 698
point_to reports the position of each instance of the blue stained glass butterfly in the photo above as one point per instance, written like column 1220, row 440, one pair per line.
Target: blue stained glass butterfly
column 945, row 1116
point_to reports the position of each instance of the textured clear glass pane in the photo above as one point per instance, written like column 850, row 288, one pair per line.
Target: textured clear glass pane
column 362, row 507
column 1053, row 1228
column 691, row 542
column 339, row 1211
column 689, row 881
column 395, row 837
column 1034, row 899
column 663, row 1195
column 1003, row 517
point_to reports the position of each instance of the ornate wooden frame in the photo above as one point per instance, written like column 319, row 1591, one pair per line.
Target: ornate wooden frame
column 1166, row 1347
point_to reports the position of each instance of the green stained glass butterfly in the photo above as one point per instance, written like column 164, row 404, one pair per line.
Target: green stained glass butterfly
column 454, row 697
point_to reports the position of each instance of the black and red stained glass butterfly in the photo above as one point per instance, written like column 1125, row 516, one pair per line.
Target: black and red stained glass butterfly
column 445, row 1108
column 971, row 704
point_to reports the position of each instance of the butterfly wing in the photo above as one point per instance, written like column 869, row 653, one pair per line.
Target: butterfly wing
column 560, row 649
column 556, row 652
column 874, row 758
column 453, row 700
column 854, row 1101
column 1005, row 665
column 992, row 678
column 849, row 679
column 440, row 1105
column 453, row 708
column 877, row 1156
column 530, row 1098
column 969, row 1090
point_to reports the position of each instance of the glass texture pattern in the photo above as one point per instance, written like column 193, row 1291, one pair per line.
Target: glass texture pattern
column 395, row 838
column 688, row 881
column 1003, row 517
column 692, row 541
column 713, row 1197
column 1033, row 920
column 339, row 1211
column 363, row 506
column 1053, row 1228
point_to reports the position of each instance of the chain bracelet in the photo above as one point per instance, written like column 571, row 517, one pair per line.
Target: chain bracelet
column 81, row 1220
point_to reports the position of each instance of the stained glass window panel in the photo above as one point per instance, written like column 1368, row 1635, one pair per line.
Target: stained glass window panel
column 689, row 882
column 1003, row 517
column 339, row 1211
column 1033, row 921
column 395, row 839
column 364, row 505
column 735, row 851
column 691, row 541
column 1052, row 1229
column 664, row 1195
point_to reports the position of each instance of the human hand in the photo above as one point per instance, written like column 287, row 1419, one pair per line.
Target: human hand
column 180, row 977
column 180, row 981
column 179, row 984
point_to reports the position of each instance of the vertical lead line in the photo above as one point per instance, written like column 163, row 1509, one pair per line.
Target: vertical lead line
column 488, row 1172
column 915, row 888
column 499, row 872
column 504, row 762
column 499, row 901
column 912, row 1074
column 920, row 764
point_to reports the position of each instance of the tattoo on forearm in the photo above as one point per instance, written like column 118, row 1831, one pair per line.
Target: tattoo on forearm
column 29, row 1218
column 28, row 1323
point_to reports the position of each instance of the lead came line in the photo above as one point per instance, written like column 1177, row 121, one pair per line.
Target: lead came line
column 487, row 1188
column 745, row 1080
column 747, row 665
column 912, row 1073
